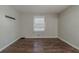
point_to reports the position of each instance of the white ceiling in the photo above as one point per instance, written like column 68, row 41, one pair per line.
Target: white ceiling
column 40, row 8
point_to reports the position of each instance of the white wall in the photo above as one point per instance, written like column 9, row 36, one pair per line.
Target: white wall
column 50, row 30
column 9, row 29
column 69, row 25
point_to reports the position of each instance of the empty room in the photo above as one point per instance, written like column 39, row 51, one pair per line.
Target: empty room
column 39, row 28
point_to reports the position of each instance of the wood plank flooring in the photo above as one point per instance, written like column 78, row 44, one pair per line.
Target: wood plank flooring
column 40, row 45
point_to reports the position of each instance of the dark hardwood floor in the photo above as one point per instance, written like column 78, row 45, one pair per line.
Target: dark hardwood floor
column 40, row 45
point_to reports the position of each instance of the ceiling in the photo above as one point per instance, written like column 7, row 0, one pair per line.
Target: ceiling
column 40, row 8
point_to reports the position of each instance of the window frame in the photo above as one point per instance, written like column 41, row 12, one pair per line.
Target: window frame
column 41, row 24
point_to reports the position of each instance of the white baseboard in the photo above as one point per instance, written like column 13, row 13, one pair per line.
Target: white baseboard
column 69, row 43
column 41, row 37
column 8, row 45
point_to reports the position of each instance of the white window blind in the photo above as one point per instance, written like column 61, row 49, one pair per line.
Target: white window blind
column 39, row 23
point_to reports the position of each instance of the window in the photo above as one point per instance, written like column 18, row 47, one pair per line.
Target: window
column 39, row 23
